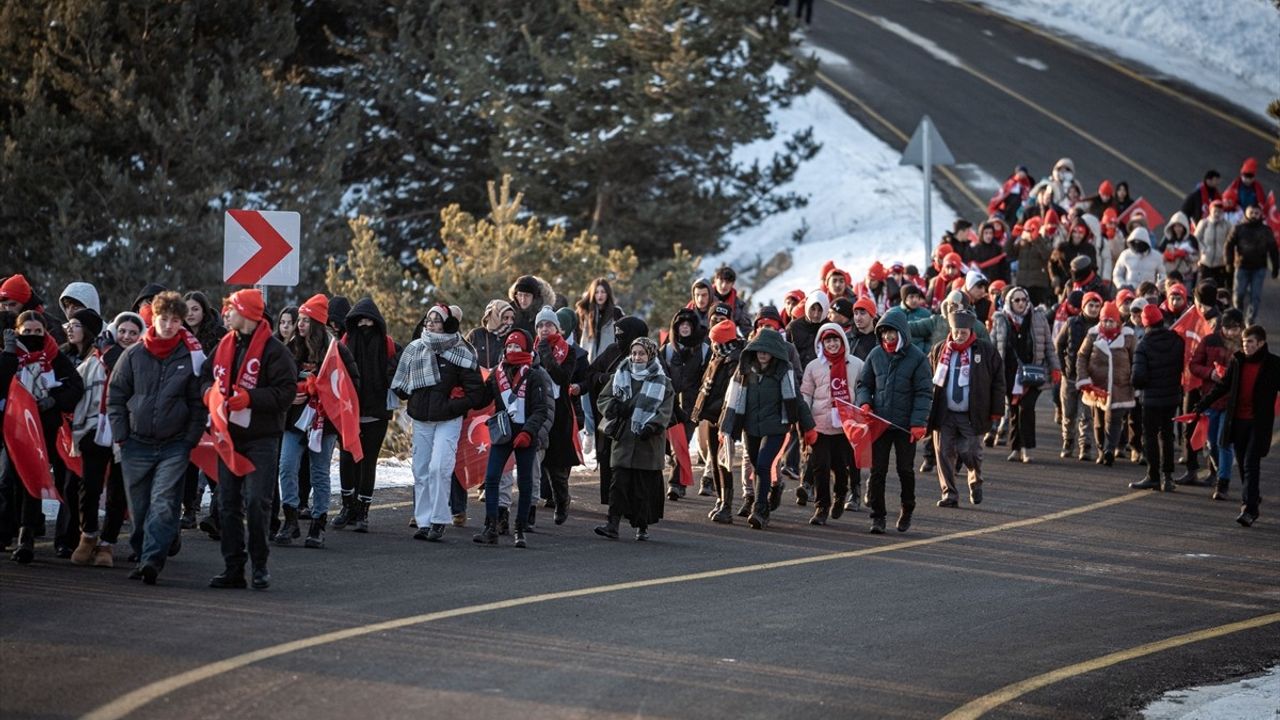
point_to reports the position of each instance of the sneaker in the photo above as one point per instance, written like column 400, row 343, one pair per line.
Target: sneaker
column 927, row 466
column 904, row 520
column 229, row 579
column 975, row 494
column 802, row 495
column 877, row 526
column 642, row 534
column 819, row 517
column 1246, row 519
column 775, row 496
column 519, row 539
column 708, row 488
column 435, row 533
column 188, row 521
column 948, row 502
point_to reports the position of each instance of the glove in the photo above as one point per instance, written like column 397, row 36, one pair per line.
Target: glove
column 918, row 433
column 575, row 390
column 866, row 409
column 311, row 385
column 11, row 340
column 302, row 387
column 1055, row 376
column 810, row 437
column 1170, row 256
column 457, row 393
column 45, row 403
column 523, row 440
column 239, row 400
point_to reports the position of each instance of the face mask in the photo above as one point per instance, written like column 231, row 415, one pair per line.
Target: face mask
column 1067, row 176
column 31, row 342
column 889, row 347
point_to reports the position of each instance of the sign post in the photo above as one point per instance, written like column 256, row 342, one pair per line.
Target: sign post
column 261, row 248
column 925, row 150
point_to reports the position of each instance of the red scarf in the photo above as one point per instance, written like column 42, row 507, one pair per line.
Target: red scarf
column 559, row 348
column 44, row 355
column 163, row 348
column 839, row 378
column 944, row 360
column 1109, row 335
column 225, row 355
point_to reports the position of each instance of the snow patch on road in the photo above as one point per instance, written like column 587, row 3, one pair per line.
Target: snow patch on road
column 920, row 41
column 1032, row 63
column 1226, row 47
column 1256, row 697
column 826, row 58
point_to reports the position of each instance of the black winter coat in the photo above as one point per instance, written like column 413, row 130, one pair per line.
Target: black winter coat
column 803, row 335
column 458, row 391
column 1068, row 343
column 295, row 411
column 986, row 386
column 270, row 401
column 560, row 444
column 1157, row 368
column 369, row 349
column 715, row 383
column 539, row 405
column 155, row 400
column 1264, row 396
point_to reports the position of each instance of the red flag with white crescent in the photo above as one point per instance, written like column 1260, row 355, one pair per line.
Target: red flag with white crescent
column 861, row 429
column 1194, row 329
column 680, row 449
column 66, row 442
column 339, row 400
column 205, row 456
column 221, row 434
column 472, row 459
column 24, row 439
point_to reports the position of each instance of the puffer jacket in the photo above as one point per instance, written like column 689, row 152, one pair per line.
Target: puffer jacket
column 1070, row 338
column 1042, row 350
column 815, row 387
column 488, row 347
column 897, row 386
column 539, row 405
column 459, row 390
column 1212, row 236
column 766, row 411
column 1157, row 368
column 1108, row 365
column 628, row 450
column 154, row 400
column 1133, row 267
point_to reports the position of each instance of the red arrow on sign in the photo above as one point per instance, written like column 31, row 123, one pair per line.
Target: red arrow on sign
column 273, row 247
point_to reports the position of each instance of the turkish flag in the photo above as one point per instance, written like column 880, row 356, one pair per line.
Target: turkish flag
column 1194, row 329
column 339, row 400
column 205, row 456
column 1272, row 214
column 74, row 463
column 861, row 429
column 1154, row 219
column 472, row 459
column 24, row 439
column 1199, row 433
column 680, row 450
column 221, row 434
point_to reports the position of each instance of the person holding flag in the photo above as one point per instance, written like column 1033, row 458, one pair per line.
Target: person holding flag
column 968, row 396
column 827, row 387
column 894, row 386
column 253, row 383
column 153, row 404
column 38, row 382
column 310, row 427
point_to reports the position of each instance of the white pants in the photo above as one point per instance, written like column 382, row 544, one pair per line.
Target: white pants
column 435, row 450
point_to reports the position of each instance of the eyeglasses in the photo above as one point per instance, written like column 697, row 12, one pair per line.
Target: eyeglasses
column 72, row 326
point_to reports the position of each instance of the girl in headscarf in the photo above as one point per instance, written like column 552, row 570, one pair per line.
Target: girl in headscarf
column 637, row 403
column 1021, row 336
column 496, row 323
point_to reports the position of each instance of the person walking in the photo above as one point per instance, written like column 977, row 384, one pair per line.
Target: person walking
column 1251, row 247
column 1105, row 379
column 1021, row 336
column 827, row 387
column 726, row 349
column 557, row 357
column 1157, row 372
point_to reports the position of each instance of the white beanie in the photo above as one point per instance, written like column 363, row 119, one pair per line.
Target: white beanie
column 546, row 314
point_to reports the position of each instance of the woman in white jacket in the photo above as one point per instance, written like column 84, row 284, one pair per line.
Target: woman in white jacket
column 1138, row 263
column 827, row 384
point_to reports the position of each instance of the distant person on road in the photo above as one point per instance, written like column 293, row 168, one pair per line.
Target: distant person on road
column 1157, row 372
column 1138, row 263
column 1250, row 248
column 804, row 9
column 1211, row 234
column 1250, row 386
column 1123, row 197
column 1246, row 187
column 1196, row 204
column 1031, row 252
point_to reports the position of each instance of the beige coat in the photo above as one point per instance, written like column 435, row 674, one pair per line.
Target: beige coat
column 1107, row 365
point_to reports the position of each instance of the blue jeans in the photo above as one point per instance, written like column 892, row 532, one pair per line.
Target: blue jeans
column 292, row 446
column 1224, row 452
column 1249, row 287
column 525, row 459
column 153, row 480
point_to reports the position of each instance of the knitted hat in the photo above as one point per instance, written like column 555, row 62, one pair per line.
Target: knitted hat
column 518, row 337
column 1109, row 215
column 317, row 308
column 997, row 286
column 1151, row 316
column 828, row 267
column 450, row 316
column 943, row 250
column 1051, row 219
column 1250, row 166
column 568, row 320
column 1106, row 189
column 129, row 317
column 720, row 311
column 1091, row 297
column 16, row 288
column 1110, row 311
column 843, row 306
column 963, row 320
column 527, row 283
column 865, row 304
column 975, row 278
column 1080, row 263
column 1177, row 289
column 1137, row 305
column 1207, row 293
column 1125, row 295
column 797, row 295
column 1032, row 225
column 546, row 314
column 877, row 272
column 248, row 303
column 723, row 332
column 897, row 266
column 90, row 320
column 1075, row 299
column 770, row 316
column 952, row 258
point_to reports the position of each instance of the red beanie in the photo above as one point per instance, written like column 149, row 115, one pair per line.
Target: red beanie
column 1151, row 316
column 317, row 308
column 16, row 288
column 249, row 304
column 828, row 267
column 1109, row 215
column 943, row 250
column 1106, row 189
column 797, row 295
column 1033, row 225
column 519, row 337
column 877, row 272
column 1090, row 297
column 1110, row 311
column 997, row 286
column 723, row 332
column 1051, row 219
column 1177, row 289
column 1124, row 296
column 865, row 304
column 1250, row 166
column 953, row 258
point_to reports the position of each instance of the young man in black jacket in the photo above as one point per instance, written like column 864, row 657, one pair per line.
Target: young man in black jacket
column 252, row 383
column 1157, row 372
column 153, row 403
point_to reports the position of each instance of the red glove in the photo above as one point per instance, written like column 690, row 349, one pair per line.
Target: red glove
column 575, row 390
column 918, row 433
column 810, row 437
column 311, row 385
column 457, row 393
column 523, row 440
column 1055, row 376
column 1170, row 255
column 866, row 409
column 239, row 400
column 302, row 387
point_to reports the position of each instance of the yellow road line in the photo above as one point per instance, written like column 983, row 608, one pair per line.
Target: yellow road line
column 132, row 701
column 1192, row 101
column 1105, row 147
column 991, row 701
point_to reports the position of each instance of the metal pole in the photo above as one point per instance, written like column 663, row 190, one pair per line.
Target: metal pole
column 927, row 159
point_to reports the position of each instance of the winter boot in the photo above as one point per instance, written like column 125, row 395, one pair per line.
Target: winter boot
column 837, row 506
column 904, row 519
column 533, row 514
column 1068, row 448
column 708, row 487
column 519, row 536
column 562, row 512
column 315, row 534
column 802, row 495
column 188, row 521
column 347, row 514
column 361, row 522
column 1167, row 485
column 748, row 502
column 1146, row 483
column 1220, row 490
column 289, row 528
column 715, row 508
column 26, row 550
column 759, row 518
column 610, row 528
column 83, row 554
column 775, row 495
column 489, row 534
column 504, row 520
column 819, row 516
column 211, row 525
column 102, row 556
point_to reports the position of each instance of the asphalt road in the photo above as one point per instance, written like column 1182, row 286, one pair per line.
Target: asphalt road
column 1061, row 564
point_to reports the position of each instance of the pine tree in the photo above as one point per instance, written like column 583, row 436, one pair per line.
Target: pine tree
column 368, row 271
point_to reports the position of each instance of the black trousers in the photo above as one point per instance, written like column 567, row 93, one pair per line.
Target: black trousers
column 68, row 523
column 899, row 443
column 831, row 454
column 98, row 462
column 1157, row 438
column 358, row 478
column 555, row 485
column 248, row 494
column 604, row 451
column 1249, row 459
column 1022, row 427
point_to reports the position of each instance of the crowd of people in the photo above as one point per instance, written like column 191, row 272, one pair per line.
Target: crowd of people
column 1123, row 325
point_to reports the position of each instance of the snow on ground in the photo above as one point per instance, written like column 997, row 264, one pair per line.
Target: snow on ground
column 1256, row 697
column 1227, row 47
column 862, row 206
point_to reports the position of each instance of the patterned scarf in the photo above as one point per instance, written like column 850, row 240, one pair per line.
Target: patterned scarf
column 163, row 348
column 652, row 390
column 418, row 366
column 514, row 370
column 949, row 348
column 735, row 406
